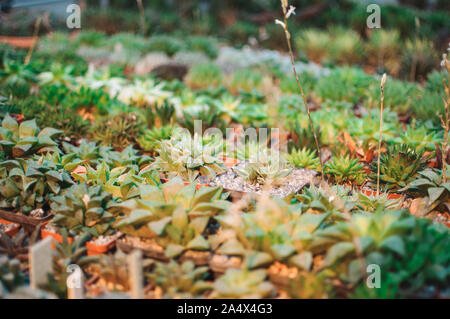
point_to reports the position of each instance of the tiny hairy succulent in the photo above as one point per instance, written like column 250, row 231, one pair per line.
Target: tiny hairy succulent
column 84, row 209
column 304, row 158
column 266, row 166
column 345, row 170
column 190, row 157
column 24, row 139
column 118, row 131
column 180, row 281
column 398, row 167
column 243, row 283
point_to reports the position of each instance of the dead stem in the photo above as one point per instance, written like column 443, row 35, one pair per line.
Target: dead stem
column 291, row 54
column 383, row 81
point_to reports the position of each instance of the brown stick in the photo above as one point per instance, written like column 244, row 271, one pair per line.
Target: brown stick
column 383, row 81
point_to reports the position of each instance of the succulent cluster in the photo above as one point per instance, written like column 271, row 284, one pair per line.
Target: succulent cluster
column 84, row 209
column 24, row 139
column 175, row 215
column 304, row 158
column 190, row 157
column 398, row 167
column 26, row 184
column 345, row 170
column 265, row 166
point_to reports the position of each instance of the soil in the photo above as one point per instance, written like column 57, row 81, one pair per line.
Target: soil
column 6, row 227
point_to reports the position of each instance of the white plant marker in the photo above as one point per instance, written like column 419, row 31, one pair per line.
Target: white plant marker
column 75, row 283
column 136, row 274
column 41, row 262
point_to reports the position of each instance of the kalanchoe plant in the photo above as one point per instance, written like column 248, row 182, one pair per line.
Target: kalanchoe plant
column 266, row 166
column 243, row 283
column 24, row 139
column 345, row 170
column 84, row 209
column 399, row 166
column 175, row 215
column 430, row 185
column 180, row 281
column 190, row 157
column 304, row 158
column 27, row 184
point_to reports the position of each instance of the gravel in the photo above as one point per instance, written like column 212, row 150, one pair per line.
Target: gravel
column 294, row 183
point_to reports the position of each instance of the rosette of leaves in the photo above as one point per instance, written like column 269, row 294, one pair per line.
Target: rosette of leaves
column 10, row 274
column 65, row 254
column 304, row 158
column 84, row 209
column 87, row 152
column 180, row 281
column 175, row 215
column 266, row 166
column 128, row 156
column 398, row 167
column 245, row 150
column 373, row 203
column 117, row 131
column 207, row 113
column 150, row 139
column 29, row 184
column 58, row 75
column 276, row 231
column 243, row 283
column 345, row 170
column 89, row 100
column 430, row 185
column 16, row 78
column 122, row 182
column 190, row 157
column 204, row 75
column 24, row 139
column 334, row 200
column 421, row 272
column 420, row 138
column 382, row 231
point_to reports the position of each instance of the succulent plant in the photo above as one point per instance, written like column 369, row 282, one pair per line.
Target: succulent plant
column 430, row 184
column 29, row 184
column 332, row 200
column 418, row 59
column 246, row 80
column 166, row 44
column 398, row 167
column 420, row 138
column 84, row 209
column 180, row 281
column 345, row 170
column 65, row 254
column 203, row 44
column 346, row 47
column 243, row 283
column 383, row 50
column 174, row 214
column 10, row 274
column 314, row 44
column 151, row 139
column 373, row 203
column 266, row 166
column 89, row 100
column 208, row 115
column 118, row 131
column 202, row 76
column 16, row 78
column 24, row 139
column 304, row 158
column 245, row 150
column 190, row 157
column 122, row 182
column 275, row 231
column 58, row 75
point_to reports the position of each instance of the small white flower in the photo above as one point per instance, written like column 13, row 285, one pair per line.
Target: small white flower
column 280, row 23
column 290, row 12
